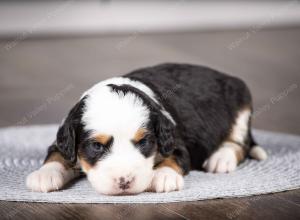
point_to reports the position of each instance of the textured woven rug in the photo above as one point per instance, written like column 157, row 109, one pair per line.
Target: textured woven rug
column 22, row 150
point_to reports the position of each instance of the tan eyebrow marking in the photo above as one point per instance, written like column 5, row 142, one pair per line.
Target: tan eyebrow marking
column 103, row 138
column 140, row 134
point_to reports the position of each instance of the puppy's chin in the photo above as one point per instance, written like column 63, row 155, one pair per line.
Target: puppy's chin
column 104, row 183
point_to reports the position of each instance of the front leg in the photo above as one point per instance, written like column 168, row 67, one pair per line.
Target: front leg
column 55, row 173
column 168, row 174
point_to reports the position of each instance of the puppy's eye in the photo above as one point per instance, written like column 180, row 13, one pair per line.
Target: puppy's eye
column 98, row 147
column 142, row 142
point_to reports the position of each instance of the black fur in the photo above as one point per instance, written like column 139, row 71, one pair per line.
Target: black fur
column 160, row 126
column 71, row 133
column 203, row 102
column 92, row 151
column 71, row 138
column 164, row 130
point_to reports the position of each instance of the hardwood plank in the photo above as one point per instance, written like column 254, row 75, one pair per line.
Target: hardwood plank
column 272, row 206
column 212, row 209
column 23, row 211
column 290, row 196
column 254, row 207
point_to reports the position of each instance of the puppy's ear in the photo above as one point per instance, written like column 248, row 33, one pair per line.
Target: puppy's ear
column 165, row 134
column 66, row 141
column 68, row 134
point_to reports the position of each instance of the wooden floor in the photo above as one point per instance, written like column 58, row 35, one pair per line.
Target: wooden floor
column 40, row 79
column 273, row 206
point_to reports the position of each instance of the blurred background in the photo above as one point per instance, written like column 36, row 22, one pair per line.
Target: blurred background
column 51, row 51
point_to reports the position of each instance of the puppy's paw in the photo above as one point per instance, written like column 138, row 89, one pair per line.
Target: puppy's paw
column 223, row 160
column 166, row 180
column 49, row 177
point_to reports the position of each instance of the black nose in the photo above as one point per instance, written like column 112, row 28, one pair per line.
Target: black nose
column 124, row 183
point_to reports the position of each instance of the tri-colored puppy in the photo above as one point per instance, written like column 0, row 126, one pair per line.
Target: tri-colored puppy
column 149, row 128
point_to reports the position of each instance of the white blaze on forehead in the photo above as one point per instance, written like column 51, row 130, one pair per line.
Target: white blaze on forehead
column 136, row 84
column 111, row 113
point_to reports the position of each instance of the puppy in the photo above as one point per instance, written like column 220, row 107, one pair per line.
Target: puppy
column 149, row 128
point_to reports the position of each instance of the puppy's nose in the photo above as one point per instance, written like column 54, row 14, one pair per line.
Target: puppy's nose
column 124, row 183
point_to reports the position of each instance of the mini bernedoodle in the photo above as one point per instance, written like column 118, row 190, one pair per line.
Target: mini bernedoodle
column 147, row 129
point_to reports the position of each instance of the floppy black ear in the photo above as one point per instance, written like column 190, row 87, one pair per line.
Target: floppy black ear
column 66, row 141
column 68, row 134
column 165, row 133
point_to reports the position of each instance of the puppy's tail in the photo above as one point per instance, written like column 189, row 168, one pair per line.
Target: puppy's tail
column 256, row 151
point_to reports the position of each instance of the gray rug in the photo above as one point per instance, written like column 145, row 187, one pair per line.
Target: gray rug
column 22, row 150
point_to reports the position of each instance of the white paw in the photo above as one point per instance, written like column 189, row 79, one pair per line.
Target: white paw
column 48, row 178
column 166, row 180
column 222, row 161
